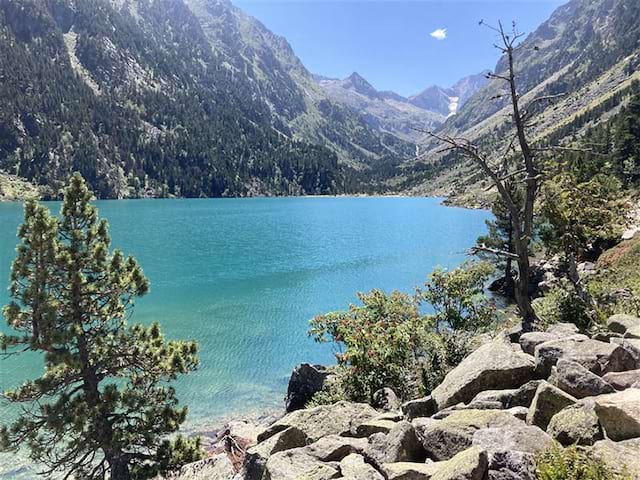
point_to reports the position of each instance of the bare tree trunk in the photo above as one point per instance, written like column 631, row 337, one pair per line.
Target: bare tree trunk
column 523, row 298
column 522, row 220
column 576, row 281
column 509, row 287
column 119, row 468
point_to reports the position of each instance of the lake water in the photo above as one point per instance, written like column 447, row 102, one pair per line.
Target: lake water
column 244, row 277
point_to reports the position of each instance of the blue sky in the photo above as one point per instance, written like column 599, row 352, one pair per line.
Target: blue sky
column 389, row 42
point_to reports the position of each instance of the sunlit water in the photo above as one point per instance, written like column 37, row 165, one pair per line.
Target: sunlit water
column 244, row 276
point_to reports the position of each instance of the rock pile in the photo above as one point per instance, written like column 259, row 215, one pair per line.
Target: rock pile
column 488, row 419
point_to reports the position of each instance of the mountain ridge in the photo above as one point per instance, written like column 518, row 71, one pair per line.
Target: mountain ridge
column 402, row 116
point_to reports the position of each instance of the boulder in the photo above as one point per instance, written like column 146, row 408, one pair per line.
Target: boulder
column 410, row 470
column 529, row 341
column 422, row 407
column 353, row 467
column 620, row 457
column 576, row 424
column 512, row 334
column 257, row 456
column 442, row 439
column 244, row 432
column 445, row 412
column 218, row 467
column 576, row 380
column 563, row 329
column 293, row 465
column 597, row 357
column 605, row 336
column 338, row 418
column 511, row 465
column 386, row 400
column 395, row 416
column 548, row 401
column 518, row 438
column 318, row 461
column 509, row 398
column 623, row 380
column 471, row 464
column 375, row 425
column 620, row 323
column 519, row 412
column 335, row 447
column 619, row 414
column 401, row 444
column 502, row 397
column 484, row 405
column 632, row 347
column 633, row 332
column 493, row 366
column 523, row 396
column 511, row 450
column 305, row 381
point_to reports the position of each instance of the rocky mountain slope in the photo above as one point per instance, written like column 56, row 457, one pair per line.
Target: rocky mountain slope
column 395, row 114
column 448, row 101
column 492, row 416
column 588, row 50
column 170, row 97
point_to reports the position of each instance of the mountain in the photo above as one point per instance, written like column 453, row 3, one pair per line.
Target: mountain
column 170, row 97
column 392, row 113
column 434, row 99
column 588, row 50
column 447, row 101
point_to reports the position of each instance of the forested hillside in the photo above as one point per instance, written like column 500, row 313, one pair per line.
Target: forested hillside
column 141, row 98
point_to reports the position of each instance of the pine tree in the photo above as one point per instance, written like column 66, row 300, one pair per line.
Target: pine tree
column 102, row 407
column 578, row 217
column 500, row 236
column 627, row 141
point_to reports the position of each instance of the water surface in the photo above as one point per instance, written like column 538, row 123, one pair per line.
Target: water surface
column 244, row 276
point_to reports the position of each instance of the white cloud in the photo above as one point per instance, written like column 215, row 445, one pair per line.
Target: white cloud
column 439, row 34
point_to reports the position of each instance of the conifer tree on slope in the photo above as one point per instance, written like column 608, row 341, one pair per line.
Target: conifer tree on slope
column 501, row 236
column 103, row 406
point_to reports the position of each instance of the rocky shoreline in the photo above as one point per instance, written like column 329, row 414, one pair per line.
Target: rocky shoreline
column 509, row 400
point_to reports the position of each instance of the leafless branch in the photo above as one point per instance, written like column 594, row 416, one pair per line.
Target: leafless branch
column 495, row 251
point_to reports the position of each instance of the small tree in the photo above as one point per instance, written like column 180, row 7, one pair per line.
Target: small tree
column 500, row 237
column 461, row 309
column 102, row 407
column 387, row 342
column 376, row 342
column 576, row 217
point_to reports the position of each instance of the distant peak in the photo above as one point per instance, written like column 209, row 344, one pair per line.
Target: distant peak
column 358, row 83
column 356, row 77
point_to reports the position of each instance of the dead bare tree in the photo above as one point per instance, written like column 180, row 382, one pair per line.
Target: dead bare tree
column 515, row 164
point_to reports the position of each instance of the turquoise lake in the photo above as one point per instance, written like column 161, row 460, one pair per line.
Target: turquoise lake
column 244, row 277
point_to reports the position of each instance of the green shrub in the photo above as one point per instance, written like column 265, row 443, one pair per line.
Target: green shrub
column 376, row 341
column 573, row 463
column 387, row 342
column 332, row 391
column 616, row 286
column 562, row 304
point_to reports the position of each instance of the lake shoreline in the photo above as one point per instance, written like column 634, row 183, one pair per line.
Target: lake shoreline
column 446, row 201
